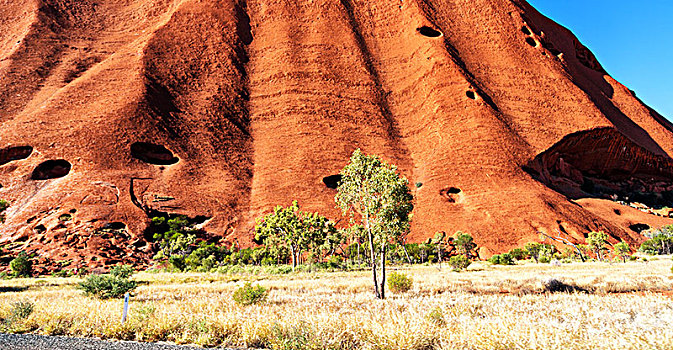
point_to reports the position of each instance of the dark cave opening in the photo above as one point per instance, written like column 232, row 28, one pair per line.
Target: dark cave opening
column 51, row 169
column 153, row 154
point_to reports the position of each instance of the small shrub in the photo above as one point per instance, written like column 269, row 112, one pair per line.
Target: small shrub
column 20, row 310
column 553, row 285
column 113, row 285
column 399, row 282
column 293, row 337
column 122, row 271
column 436, row 316
column 62, row 273
column 21, row 266
column 334, row 261
column 249, row 294
column 459, row 262
column 502, row 259
column 3, row 206
column 518, row 254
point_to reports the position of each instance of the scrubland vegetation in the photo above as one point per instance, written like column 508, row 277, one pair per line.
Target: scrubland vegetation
column 309, row 285
column 594, row 305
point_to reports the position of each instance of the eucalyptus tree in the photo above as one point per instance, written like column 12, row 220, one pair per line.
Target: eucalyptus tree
column 438, row 240
column 378, row 198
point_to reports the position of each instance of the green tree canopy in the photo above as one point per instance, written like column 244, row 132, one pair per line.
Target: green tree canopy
column 295, row 230
column 375, row 196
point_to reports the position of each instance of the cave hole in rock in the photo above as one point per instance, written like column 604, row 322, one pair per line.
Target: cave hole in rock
column 531, row 42
column 471, row 95
column 65, row 217
column 603, row 163
column 526, row 31
column 153, row 154
column 114, row 226
column 451, row 194
column 51, row 169
column 332, row 181
column 39, row 229
column 618, row 212
column 14, row 153
column 638, row 228
column 72, row 211
column 429, row 32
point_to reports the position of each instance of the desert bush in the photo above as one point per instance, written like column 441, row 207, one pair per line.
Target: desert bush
column 553, row 285
column 518, row 254
column 3, row 206
column 112, row 285
column 20, row 310
column 502, row 259
column 660, row 241
column 436, row 316
column 623, row 250
column 21, row 266
column 249, row 294
column 399, row 282
column 464, row 244
column 459, row 262
column 597, row 242
column 62, row 273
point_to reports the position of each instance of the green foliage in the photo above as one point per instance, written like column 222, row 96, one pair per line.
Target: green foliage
column 502, row 259
column 62, row 273
column 622, row 249
column 518, row 254
column 399, row 282
column 596, row 242
column 377, row 198
column 65, row 218
column 464, row 244
column 249, row 294
column 436, row 316
column 20, row 310
column 660, row 241
column 459, row 262
column 122, row 271
column 112, row 285
column 288, row 228
column 177, row 239
column 205, row 258
column 540, row 252
column 3, row 206
column 532, row 249
column 21, row 266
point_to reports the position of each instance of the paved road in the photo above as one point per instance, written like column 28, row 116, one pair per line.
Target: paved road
column 40, row 342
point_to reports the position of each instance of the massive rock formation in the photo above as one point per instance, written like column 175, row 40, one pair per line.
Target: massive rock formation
column 503, row 121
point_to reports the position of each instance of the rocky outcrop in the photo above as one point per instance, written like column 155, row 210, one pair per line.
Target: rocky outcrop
column 223, row 109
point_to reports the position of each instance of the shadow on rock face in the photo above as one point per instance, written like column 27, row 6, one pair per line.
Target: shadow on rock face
column 153, row 154
column 51, row 169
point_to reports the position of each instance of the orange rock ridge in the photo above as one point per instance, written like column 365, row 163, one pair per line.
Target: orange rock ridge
column 223, row 109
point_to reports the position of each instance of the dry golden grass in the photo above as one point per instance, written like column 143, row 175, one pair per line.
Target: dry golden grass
column 488, row 307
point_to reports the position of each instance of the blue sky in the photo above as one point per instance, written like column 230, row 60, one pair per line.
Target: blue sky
column 633, row 40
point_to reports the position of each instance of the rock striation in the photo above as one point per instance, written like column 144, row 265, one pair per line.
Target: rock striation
column 504, row 122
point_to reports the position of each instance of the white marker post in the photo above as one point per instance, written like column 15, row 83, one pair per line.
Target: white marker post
column 126, row 307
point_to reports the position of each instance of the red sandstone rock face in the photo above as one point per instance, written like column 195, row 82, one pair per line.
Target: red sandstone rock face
column 113, row 109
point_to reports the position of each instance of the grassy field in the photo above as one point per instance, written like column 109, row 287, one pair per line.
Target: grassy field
column 614, row 306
